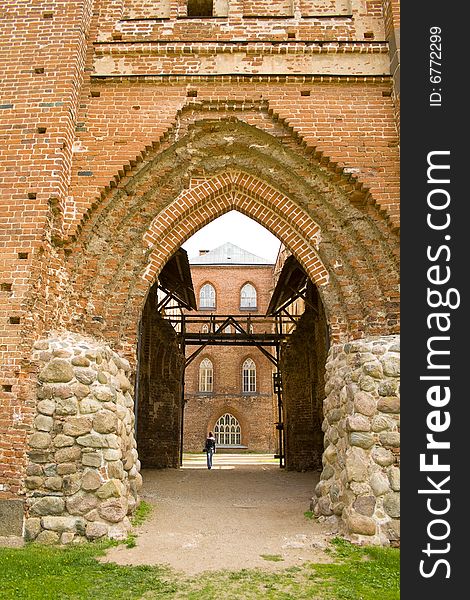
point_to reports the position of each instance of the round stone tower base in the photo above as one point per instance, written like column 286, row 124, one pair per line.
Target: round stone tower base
column 82, row 477
column 360, row 481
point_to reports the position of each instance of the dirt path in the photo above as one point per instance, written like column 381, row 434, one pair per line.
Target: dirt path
column 227, row 518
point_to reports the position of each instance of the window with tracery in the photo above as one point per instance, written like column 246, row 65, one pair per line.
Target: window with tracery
column 249, row 376
column 248, row 296
column 207, row 296
column 206, row 376
column 227, row 431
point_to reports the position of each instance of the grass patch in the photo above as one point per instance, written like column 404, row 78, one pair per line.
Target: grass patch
column 142, row 513
column 43, row 573
column 308, row 514
column 272, row 557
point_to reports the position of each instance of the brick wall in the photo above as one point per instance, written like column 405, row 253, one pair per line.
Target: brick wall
column 304, row 387
column 159, row 404
column 256, row 411
column 107, row 118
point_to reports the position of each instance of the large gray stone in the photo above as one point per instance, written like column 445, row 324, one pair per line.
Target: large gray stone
column 111, row 489
column 391, row 365
column 66, row 406
column 367, row 384
column 390, row 439
column 382, row 456
column 68, row 454
column 46, row 407
column 53, row 483
column 90, row 405
column 92, row 459
column 392, row 504
column 32, row 528
column 81, row 503
column 72, row 483
column 361, row 439
column 365, row 403
column 80, row 391
column 96, row 530
column 48, row 538
column 34, row 482
column 357, row 423
column 113, row 510
column 57, row 371
column 43, row 423
column 394, row 478
column 104, row 393
column 61, row 524
column 66, row 468
column 379, row 484
column 48, row 505
column 381, row 422
column 61, row 441
column 356, row 464
column 104, row 422
column 373, row 369
column 80, row 361
column 40, row 440
column 92, row 440
column 77, row 426
column 359, row 524
column 85, row 375
column 116, row 470
column 365, row 505
column 327, row 472
column 91, row 480
column 389, row 404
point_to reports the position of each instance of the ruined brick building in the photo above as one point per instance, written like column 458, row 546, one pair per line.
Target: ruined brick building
column 229, row 390
column 126, row 126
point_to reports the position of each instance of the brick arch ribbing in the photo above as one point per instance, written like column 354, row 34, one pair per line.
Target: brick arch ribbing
column 202, row 203
column 113, row 261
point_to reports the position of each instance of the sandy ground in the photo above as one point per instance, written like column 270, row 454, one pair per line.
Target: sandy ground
column 227, row 518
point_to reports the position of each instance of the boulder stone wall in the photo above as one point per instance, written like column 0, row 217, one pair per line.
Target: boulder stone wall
column 360, row 481
column 82, row 477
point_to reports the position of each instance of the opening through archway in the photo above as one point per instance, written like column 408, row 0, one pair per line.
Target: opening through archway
column 265, row 370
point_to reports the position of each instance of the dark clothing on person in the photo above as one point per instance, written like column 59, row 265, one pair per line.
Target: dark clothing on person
column 210, row 449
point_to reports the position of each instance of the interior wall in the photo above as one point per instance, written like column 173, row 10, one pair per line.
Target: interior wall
column 159, row 390
column 303, row 359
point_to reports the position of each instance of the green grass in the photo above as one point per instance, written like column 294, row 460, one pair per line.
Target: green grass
column 308, row 514
column 142, row 513
column 39, row 573
column 272, row 557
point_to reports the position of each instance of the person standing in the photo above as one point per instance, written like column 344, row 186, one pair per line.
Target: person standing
column 210, row 448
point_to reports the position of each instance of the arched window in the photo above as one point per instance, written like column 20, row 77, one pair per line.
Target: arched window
column 206, row 376
column 248, row 296
column 227, row 431
column 207, row 296
column 205, row 328
column 249, row 376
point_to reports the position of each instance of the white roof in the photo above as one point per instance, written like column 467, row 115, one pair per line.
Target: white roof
column 229, row 254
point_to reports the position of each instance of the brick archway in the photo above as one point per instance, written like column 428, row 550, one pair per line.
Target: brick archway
column 128, row 237
column 210, row 199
